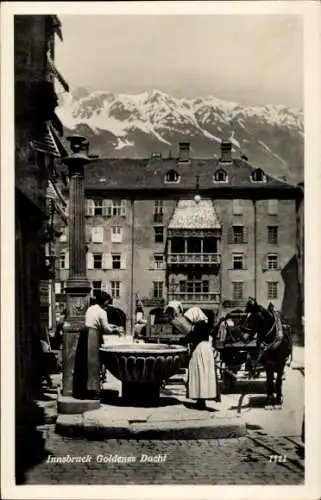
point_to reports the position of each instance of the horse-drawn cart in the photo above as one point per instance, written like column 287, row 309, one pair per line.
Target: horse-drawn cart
column 237, row 354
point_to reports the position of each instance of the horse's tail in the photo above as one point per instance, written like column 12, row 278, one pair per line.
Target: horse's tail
column 289, row 359
column 289, row 341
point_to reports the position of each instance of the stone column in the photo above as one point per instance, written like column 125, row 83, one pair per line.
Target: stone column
column 80, row 353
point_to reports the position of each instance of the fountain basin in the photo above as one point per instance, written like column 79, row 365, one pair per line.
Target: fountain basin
column 143, row 363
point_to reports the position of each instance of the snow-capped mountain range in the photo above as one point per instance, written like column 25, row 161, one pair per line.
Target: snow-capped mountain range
column 138, row 125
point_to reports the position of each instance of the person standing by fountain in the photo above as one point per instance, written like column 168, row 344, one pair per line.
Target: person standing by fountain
column 202, row 381
column 96, row 316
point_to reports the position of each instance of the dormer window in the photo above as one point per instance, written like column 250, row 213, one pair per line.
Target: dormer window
column 220, row 176
column 258, row 176
column 172, row 177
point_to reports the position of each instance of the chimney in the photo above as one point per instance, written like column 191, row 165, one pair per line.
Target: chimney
column 226, row 152
column 184, row 151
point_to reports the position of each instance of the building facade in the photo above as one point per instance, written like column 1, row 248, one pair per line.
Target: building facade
column 37, row 153
column 207, row 232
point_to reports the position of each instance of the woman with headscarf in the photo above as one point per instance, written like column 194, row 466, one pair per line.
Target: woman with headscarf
column 202, row 380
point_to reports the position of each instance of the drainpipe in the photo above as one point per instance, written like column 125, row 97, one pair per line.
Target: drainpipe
column 255, row 248
column 132, row 295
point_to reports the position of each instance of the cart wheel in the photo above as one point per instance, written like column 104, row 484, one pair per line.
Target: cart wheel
column 227, row 383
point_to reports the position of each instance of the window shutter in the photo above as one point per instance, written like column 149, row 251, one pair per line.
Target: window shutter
column 123, row 261
column 123, row 208
column 104, row 286
column 107, row 261
column 121, row 235
column 264, row 263
column 272, row 207
column 97, row 234
column 90, row 261
column 57, row 287
column 67, row 260
column 107, row 208
column 88, row 234
column 237, row 209
column 230, row 235
column 246, row 234
column 90, row 208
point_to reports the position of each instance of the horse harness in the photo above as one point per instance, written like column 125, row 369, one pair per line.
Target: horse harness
column 271, row 346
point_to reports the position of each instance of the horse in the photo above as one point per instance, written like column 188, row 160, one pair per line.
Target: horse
column 274, row 344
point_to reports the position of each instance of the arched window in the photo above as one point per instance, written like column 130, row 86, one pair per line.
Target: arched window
column 220, row 176
column 258, row 175
column 172, row 176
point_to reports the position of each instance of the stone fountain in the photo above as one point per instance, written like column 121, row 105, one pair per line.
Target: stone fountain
column 142, row 368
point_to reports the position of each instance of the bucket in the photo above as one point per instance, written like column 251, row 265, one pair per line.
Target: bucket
column 182, row 325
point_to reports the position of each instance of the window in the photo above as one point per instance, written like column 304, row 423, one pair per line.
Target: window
column 258, row 176
column 220, row 176
column 238, row 261
column 237, row 208
column 116, row 261
column 159, row 206
column 62, row 261
column 158, row 261
column 98, row 260
column 63, row 287
column 159, row 234
column 237, row 234
column 97, row 234
column 172, row 176
column 272, row 234
column 98, row 207
column 272, row 261
column 158, row 287
column 96, row 287
column 158, row 211
column 116, row 208
column 272, row 207
column 194, row 286
column 116, row 234
column 272, row 290
column 238, row 290
column 115, row 289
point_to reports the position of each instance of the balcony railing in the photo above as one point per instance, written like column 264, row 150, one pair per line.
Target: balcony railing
column 194, row 258
column 196, row 297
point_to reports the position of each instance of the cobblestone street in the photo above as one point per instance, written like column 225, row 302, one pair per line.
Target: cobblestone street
column 215, row 462
column 212, row 462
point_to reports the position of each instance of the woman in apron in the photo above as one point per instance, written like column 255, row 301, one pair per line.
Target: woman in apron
column 202, row 381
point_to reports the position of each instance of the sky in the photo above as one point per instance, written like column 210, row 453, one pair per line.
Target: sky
column 252, row 60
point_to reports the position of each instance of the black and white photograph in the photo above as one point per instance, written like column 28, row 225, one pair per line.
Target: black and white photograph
column 159, row 276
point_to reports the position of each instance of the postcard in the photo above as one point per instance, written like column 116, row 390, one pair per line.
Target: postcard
column 161, row 249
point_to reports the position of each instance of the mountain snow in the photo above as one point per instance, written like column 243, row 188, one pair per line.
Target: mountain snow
column 138, row 124
column 150, row 111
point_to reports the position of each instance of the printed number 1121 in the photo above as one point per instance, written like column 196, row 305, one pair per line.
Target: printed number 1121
column 278, row 458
